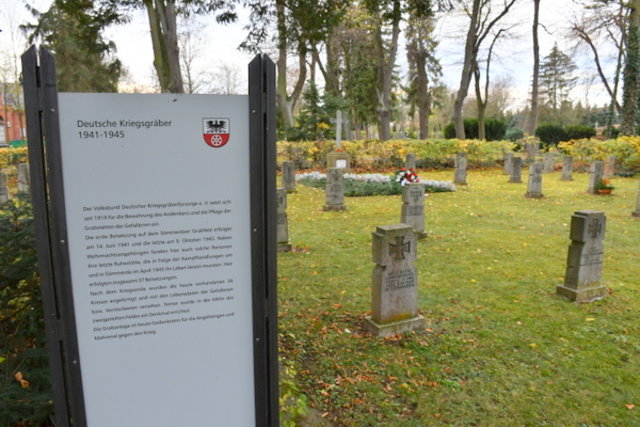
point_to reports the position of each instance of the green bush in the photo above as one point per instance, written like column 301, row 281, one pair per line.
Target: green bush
column 550, row 134
column 580, row 132
column 26, row 391
column 495, row 129
column 514, row 134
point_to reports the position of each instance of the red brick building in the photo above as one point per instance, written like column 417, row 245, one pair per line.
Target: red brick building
column 12, row 121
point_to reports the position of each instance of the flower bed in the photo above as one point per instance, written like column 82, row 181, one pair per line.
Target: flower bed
column 372, row 184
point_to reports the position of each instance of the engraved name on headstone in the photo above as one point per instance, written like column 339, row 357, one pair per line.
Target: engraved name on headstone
column 394, row 287
column 412, row 211
column 289, row 176
column 460, row 176
column 582, row 280
column 282, row 230
column 534, row 189
column 334, row 191
column 516, row 170
column 567, row 168
column 595, row 175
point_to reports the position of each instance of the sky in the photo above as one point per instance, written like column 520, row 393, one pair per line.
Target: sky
column 513, row 57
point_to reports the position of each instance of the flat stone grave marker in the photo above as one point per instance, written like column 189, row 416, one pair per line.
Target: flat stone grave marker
column 595, row 175
column 411, row 161
column 534, row 189
column 582, row 281
column 394, row 287
column 289, row 176
column 4, row 187
column 335, row 191
column 283, row 224
column 412, row 212
column 460, row 175
column 339, row 160
column 508, row 158
column 549, row 162
column 609, row 167
column 636, row 213
column 567, row 168
column 516, row 170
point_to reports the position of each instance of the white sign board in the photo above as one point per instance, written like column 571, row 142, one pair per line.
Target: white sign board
column 157, row 199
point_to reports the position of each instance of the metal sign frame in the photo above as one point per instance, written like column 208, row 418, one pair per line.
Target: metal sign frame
column 47, row 189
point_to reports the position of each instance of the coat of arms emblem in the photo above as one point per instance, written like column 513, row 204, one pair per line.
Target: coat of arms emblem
column 215, row 131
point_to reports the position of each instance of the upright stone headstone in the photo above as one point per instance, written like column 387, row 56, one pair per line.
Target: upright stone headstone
column 394, row 287
column 339, row 160
column 609, row 167
column 4, row 187
column 507, row 158
column 567, row 168
column 334, row 191
column 548, row 162
column 412, row 212
column 411, row 161
column 289, row 176
column 24, row 179
column 532, row 151
column 516, row 170
column 584, row 261
column 595, row 175
column 460, row 175
column 534, row 189
column 282, row 232
column 636, row 213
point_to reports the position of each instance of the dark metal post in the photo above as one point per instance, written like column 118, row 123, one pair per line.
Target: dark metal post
column 263, row 237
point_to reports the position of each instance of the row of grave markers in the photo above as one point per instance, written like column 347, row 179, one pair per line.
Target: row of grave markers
column 394, row 286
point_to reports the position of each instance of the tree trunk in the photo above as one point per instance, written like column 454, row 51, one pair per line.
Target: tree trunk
column 532, row 121
column 164, row 38
column 424, row 100
column 630, row 108
column 302, row 77
column 281, row 66
column 332, row 76
column 470, row 52
column 385, row 72
column 482, row 105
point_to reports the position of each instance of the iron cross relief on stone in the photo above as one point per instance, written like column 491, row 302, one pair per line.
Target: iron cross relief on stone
column 595, row 228
column 398, row 249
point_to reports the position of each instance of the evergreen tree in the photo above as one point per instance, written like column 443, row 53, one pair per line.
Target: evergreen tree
column 72, row 30
column 556, row 78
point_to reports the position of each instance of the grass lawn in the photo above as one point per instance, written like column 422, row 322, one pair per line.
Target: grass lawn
column 500, row 348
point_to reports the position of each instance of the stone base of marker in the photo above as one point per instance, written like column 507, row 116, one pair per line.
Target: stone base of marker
column 582, row 295
column 284, row 247
column 636, row 214
column 533, row 195
column 393, row 328
column 334, row 208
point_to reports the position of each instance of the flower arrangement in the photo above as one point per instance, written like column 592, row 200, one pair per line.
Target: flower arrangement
column 407, row 176
column 604, row 184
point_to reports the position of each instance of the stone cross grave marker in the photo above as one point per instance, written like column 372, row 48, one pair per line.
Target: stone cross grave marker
column 411, row 161
column 549, row 162
column 282, row 231
column 516, row 170
column 609, row 167
column 567, row 168
column 508, row 158
column 460, row 175
column 595, row 175
column 334, row 191
column 289, row 176
column 584, row 261
column 636, row 213
column 4, row 187
column 24, row 178
column 412, row 212
column 534, row 189
column 394, row 287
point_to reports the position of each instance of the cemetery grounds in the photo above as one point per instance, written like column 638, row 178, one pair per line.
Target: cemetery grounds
column 499, row 348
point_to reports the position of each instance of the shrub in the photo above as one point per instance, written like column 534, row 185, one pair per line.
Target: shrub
column 580, row 132
column 13, row 156
column 626, row 149
column 470, row 129
column 550, row 134
column 514, row 134
column 495, row 129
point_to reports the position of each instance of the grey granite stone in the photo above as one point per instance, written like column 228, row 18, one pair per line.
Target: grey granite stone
column 609, row 167
column 507, row 158
column 412, row 211
column 567, row 168
column 636, row 213
column 595, row 175
column 334, row 191
column 339, row 160
column 411, row 161
column 534, row 186
column 282, row 229
column 582, row 280
column 289, row 176
column 394, row 287
column 460, row 175
column 516, row 170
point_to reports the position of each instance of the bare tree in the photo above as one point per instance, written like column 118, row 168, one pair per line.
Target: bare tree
column 482, row 102
column 532, row 120
column 482, row 21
